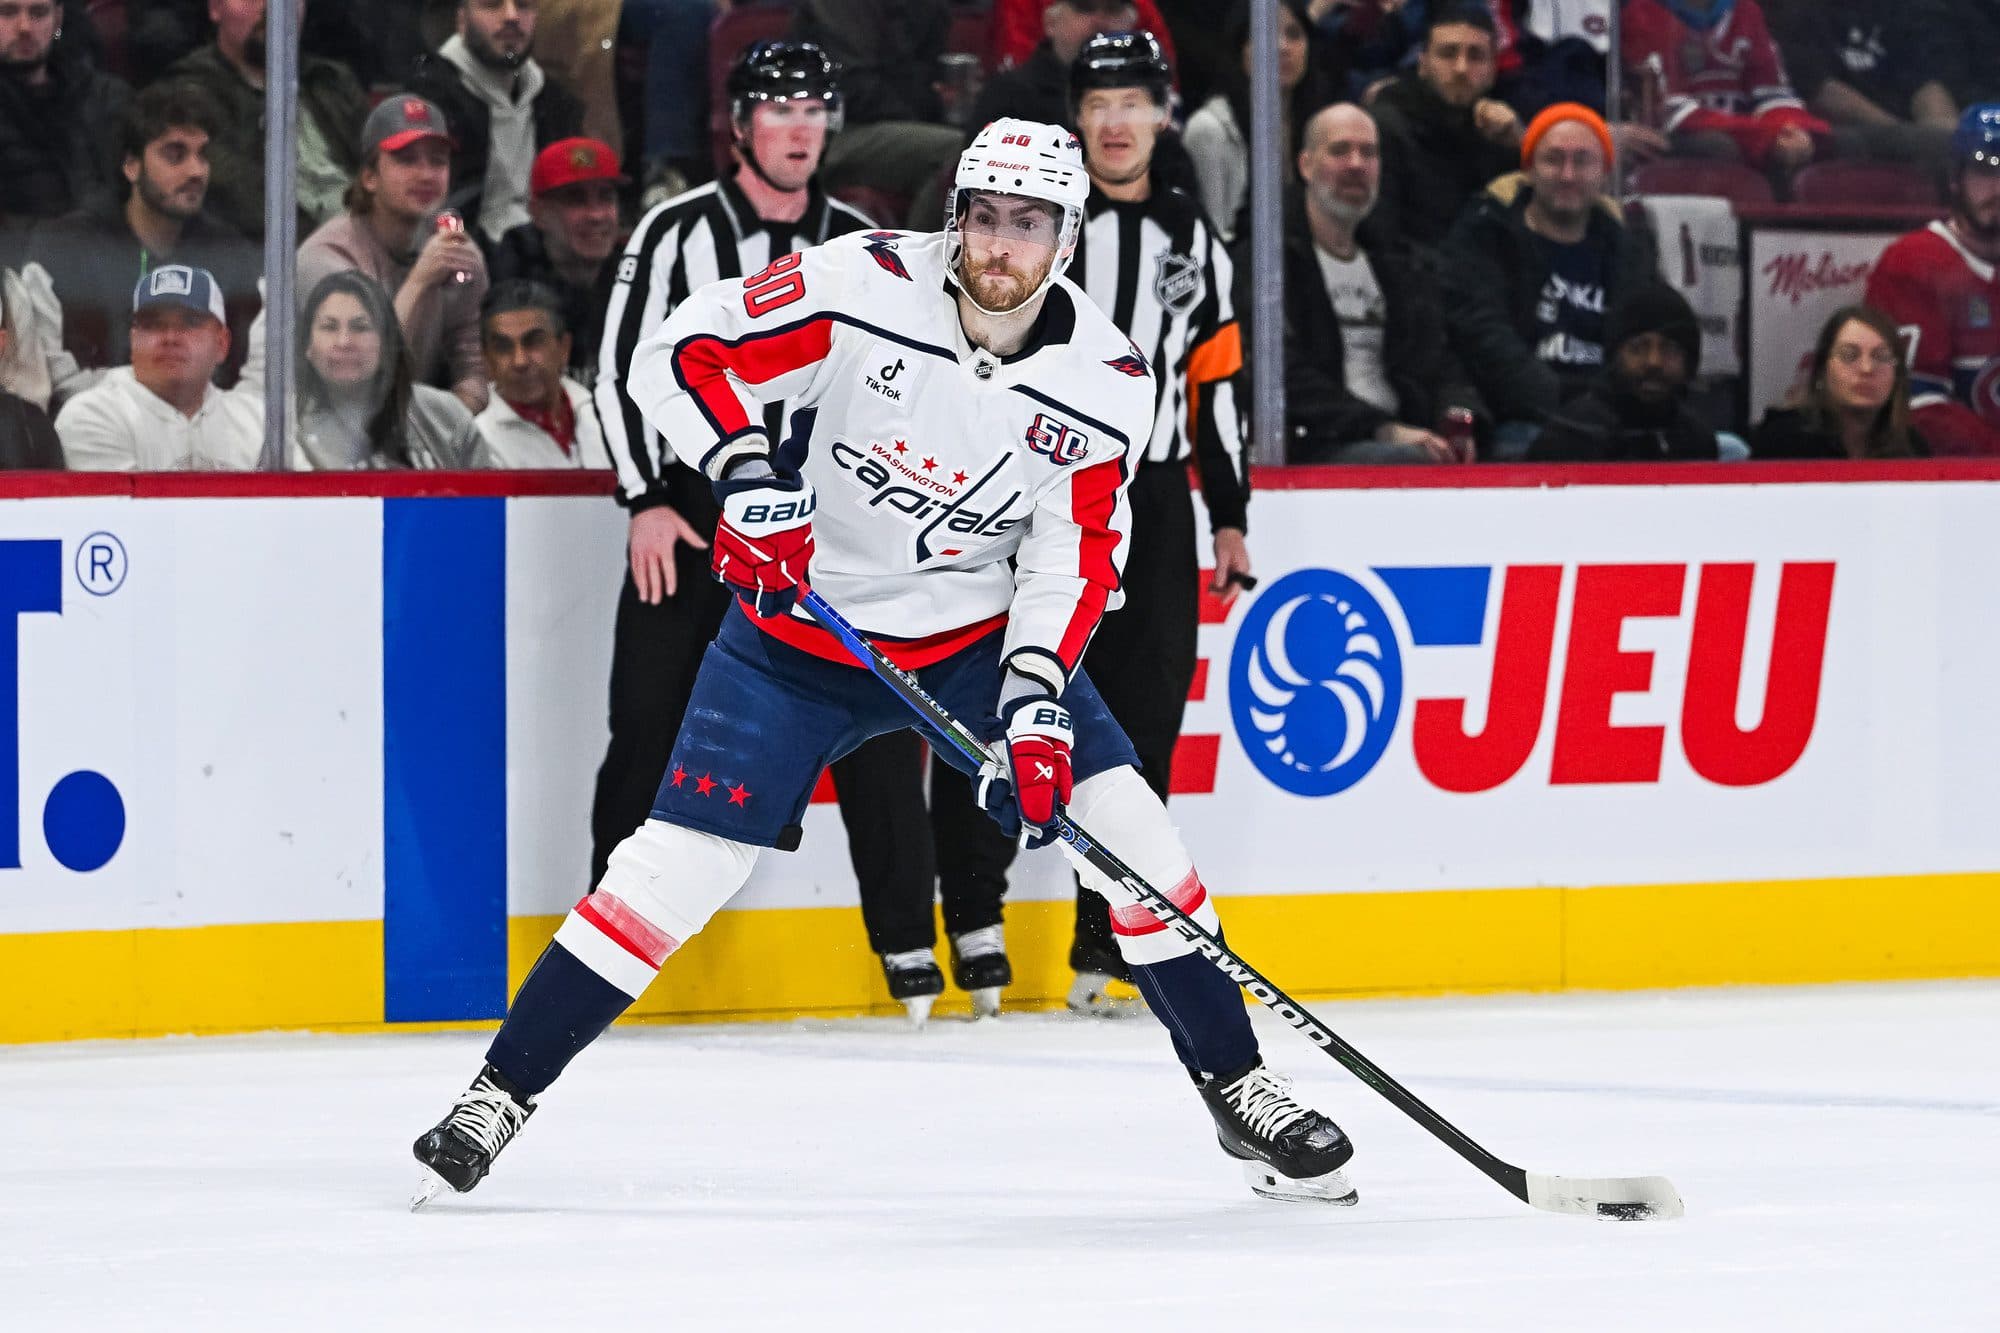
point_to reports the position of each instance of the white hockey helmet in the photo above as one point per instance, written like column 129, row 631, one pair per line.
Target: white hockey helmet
column 1026, row 158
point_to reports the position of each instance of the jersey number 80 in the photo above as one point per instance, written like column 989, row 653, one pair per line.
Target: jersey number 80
column 777, row 286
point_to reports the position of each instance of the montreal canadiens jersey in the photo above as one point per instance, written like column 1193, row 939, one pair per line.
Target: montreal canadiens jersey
column 957, row 491
column 1726, row 75
column 1947, row 304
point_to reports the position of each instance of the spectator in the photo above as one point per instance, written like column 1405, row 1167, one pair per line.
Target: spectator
column 95, row 256
column 357, row 404
column 1978, row 24
column 388, row 232
column 577, row 42
column 34, row 365
column 1637, row 412
column 1037, row 88
column 1938, row 284
column 674, row 34
column 163, row 412
column 1218, row 134
column 539, row 417
column 1531, row 268
column 331, row 108
column 1879, row 71
column 502, row 107
column 1020, row 27
column 895, row 138
column 27, row 440
column 58, row 116
column 1443, row 138
column 1717, row 82
column 567, row 243
column 1369, row 371
column 1857, row 401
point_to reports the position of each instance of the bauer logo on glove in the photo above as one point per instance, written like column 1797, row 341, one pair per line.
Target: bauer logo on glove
column 764, row 543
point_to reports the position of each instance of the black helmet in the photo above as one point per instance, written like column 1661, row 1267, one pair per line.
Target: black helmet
column 1121, row 60
column 781, row 71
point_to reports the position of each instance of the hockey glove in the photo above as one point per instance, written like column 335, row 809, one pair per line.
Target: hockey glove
column 764, row 542
column 1031, row 789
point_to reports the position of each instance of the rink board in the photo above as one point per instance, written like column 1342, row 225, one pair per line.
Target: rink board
column 282, row 757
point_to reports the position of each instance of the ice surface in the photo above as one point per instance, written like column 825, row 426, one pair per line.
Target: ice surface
column 1839, row 1151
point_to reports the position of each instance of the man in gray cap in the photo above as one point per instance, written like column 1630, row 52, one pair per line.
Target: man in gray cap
column 163, row 412
column 396, row 231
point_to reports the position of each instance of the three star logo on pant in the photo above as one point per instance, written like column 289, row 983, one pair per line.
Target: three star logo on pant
column 739, row 793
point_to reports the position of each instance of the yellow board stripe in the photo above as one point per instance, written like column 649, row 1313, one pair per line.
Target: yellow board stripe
column 780, row 964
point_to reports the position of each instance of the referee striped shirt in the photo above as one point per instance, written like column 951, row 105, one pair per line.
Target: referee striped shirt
column 1163, row 275
column 707, row 234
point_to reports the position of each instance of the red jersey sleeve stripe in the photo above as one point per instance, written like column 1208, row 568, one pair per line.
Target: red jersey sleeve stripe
column 703, row 366
column 1093, row 500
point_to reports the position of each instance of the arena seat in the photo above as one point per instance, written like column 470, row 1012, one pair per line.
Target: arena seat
column 1733, row 181
column 883, row 209
column 1839, row 183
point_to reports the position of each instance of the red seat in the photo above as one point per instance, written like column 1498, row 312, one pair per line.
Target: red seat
column 1733, row 181
column 972, row 31
column 735, row 28
column 883, row 209
column 1836, row 183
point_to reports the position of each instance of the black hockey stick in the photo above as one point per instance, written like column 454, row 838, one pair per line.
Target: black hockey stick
column 1630, row 1198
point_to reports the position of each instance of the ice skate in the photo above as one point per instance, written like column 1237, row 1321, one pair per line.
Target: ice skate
column 980, row 968
column 1288, row 1151
column 460, row 1149
column 915, row 981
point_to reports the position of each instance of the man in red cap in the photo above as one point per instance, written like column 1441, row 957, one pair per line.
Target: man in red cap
column 569, row 239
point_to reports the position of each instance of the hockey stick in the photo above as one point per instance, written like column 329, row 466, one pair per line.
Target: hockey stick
column 1629, row 1198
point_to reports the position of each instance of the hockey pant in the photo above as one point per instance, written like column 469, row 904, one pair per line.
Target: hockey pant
column 666, row 881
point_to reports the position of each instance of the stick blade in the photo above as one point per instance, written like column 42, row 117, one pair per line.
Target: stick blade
column 1620, row 1198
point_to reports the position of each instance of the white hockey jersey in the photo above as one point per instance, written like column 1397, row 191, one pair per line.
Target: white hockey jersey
column 935, row 463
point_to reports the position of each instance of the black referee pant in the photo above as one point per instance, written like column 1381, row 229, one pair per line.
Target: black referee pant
column 655, row 653
column 1142, row 662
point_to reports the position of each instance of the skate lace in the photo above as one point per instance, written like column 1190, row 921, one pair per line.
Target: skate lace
column 487, row 1116
column 981, row 942
column 1264, row 1100
column 908, row 960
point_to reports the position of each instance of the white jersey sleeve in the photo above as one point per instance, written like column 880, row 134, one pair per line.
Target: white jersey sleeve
column 733, row 346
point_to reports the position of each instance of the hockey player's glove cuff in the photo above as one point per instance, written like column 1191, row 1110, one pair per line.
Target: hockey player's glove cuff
column 764, row 542
column 1026, row 795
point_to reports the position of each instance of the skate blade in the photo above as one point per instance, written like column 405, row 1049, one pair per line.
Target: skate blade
column 986, row 1002
column 1333, row 1187
column 429, row 1188
column 918, row 1008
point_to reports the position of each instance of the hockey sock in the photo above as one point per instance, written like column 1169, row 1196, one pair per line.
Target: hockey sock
column 561, row 1008
column 1202, row 1009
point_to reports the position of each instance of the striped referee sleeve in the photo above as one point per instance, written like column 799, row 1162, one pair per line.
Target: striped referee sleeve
column 638, row 305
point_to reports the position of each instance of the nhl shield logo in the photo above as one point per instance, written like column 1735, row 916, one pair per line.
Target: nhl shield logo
column 1177, row 282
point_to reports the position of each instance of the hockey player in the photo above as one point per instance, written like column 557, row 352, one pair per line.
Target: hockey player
column 1151, row 261
column 973, row 522
column 1939, row 285
column 784, row 100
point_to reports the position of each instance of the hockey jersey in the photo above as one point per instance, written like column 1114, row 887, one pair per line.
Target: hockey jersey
column 1718, row 71
column 957, row 490
column 1946, row 302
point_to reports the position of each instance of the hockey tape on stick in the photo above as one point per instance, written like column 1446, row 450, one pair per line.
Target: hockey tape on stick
column 1627, row 1198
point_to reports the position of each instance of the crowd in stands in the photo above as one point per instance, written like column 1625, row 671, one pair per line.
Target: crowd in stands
column 1454, row 241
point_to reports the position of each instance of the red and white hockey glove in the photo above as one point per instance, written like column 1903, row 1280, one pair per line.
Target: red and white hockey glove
column 764, row 542
column 1033, row 788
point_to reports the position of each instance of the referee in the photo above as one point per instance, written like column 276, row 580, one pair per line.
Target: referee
column 1151, row 260
column 784, row 101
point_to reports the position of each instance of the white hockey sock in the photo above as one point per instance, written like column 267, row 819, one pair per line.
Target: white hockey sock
column 1122, row 812
column 661, row 887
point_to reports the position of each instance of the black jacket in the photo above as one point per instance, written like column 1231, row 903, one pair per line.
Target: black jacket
column 95, row 261
column 27, row 440
column 888, row 52
column 1493, row 273
column 521, row 253
column 1321, row 414
column 1784, row 434
column 59, row 144
column 328, row 95
column 1606, row 426
column 1035, row 89
column 1434, row 160
column 558, row 114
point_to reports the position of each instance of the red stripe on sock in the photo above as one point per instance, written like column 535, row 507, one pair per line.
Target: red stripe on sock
column 626, row 928
column 1188, row 895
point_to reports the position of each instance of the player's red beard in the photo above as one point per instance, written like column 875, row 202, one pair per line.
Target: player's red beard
column 1003, row 284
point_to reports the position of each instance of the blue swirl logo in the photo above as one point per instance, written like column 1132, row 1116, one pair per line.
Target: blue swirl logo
column 1316, row 682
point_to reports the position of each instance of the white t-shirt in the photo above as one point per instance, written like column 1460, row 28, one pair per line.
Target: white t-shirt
column 1364, row 325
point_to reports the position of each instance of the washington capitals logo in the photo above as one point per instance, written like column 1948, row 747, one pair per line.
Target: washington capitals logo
column 1130, row 364
column 882, row 245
